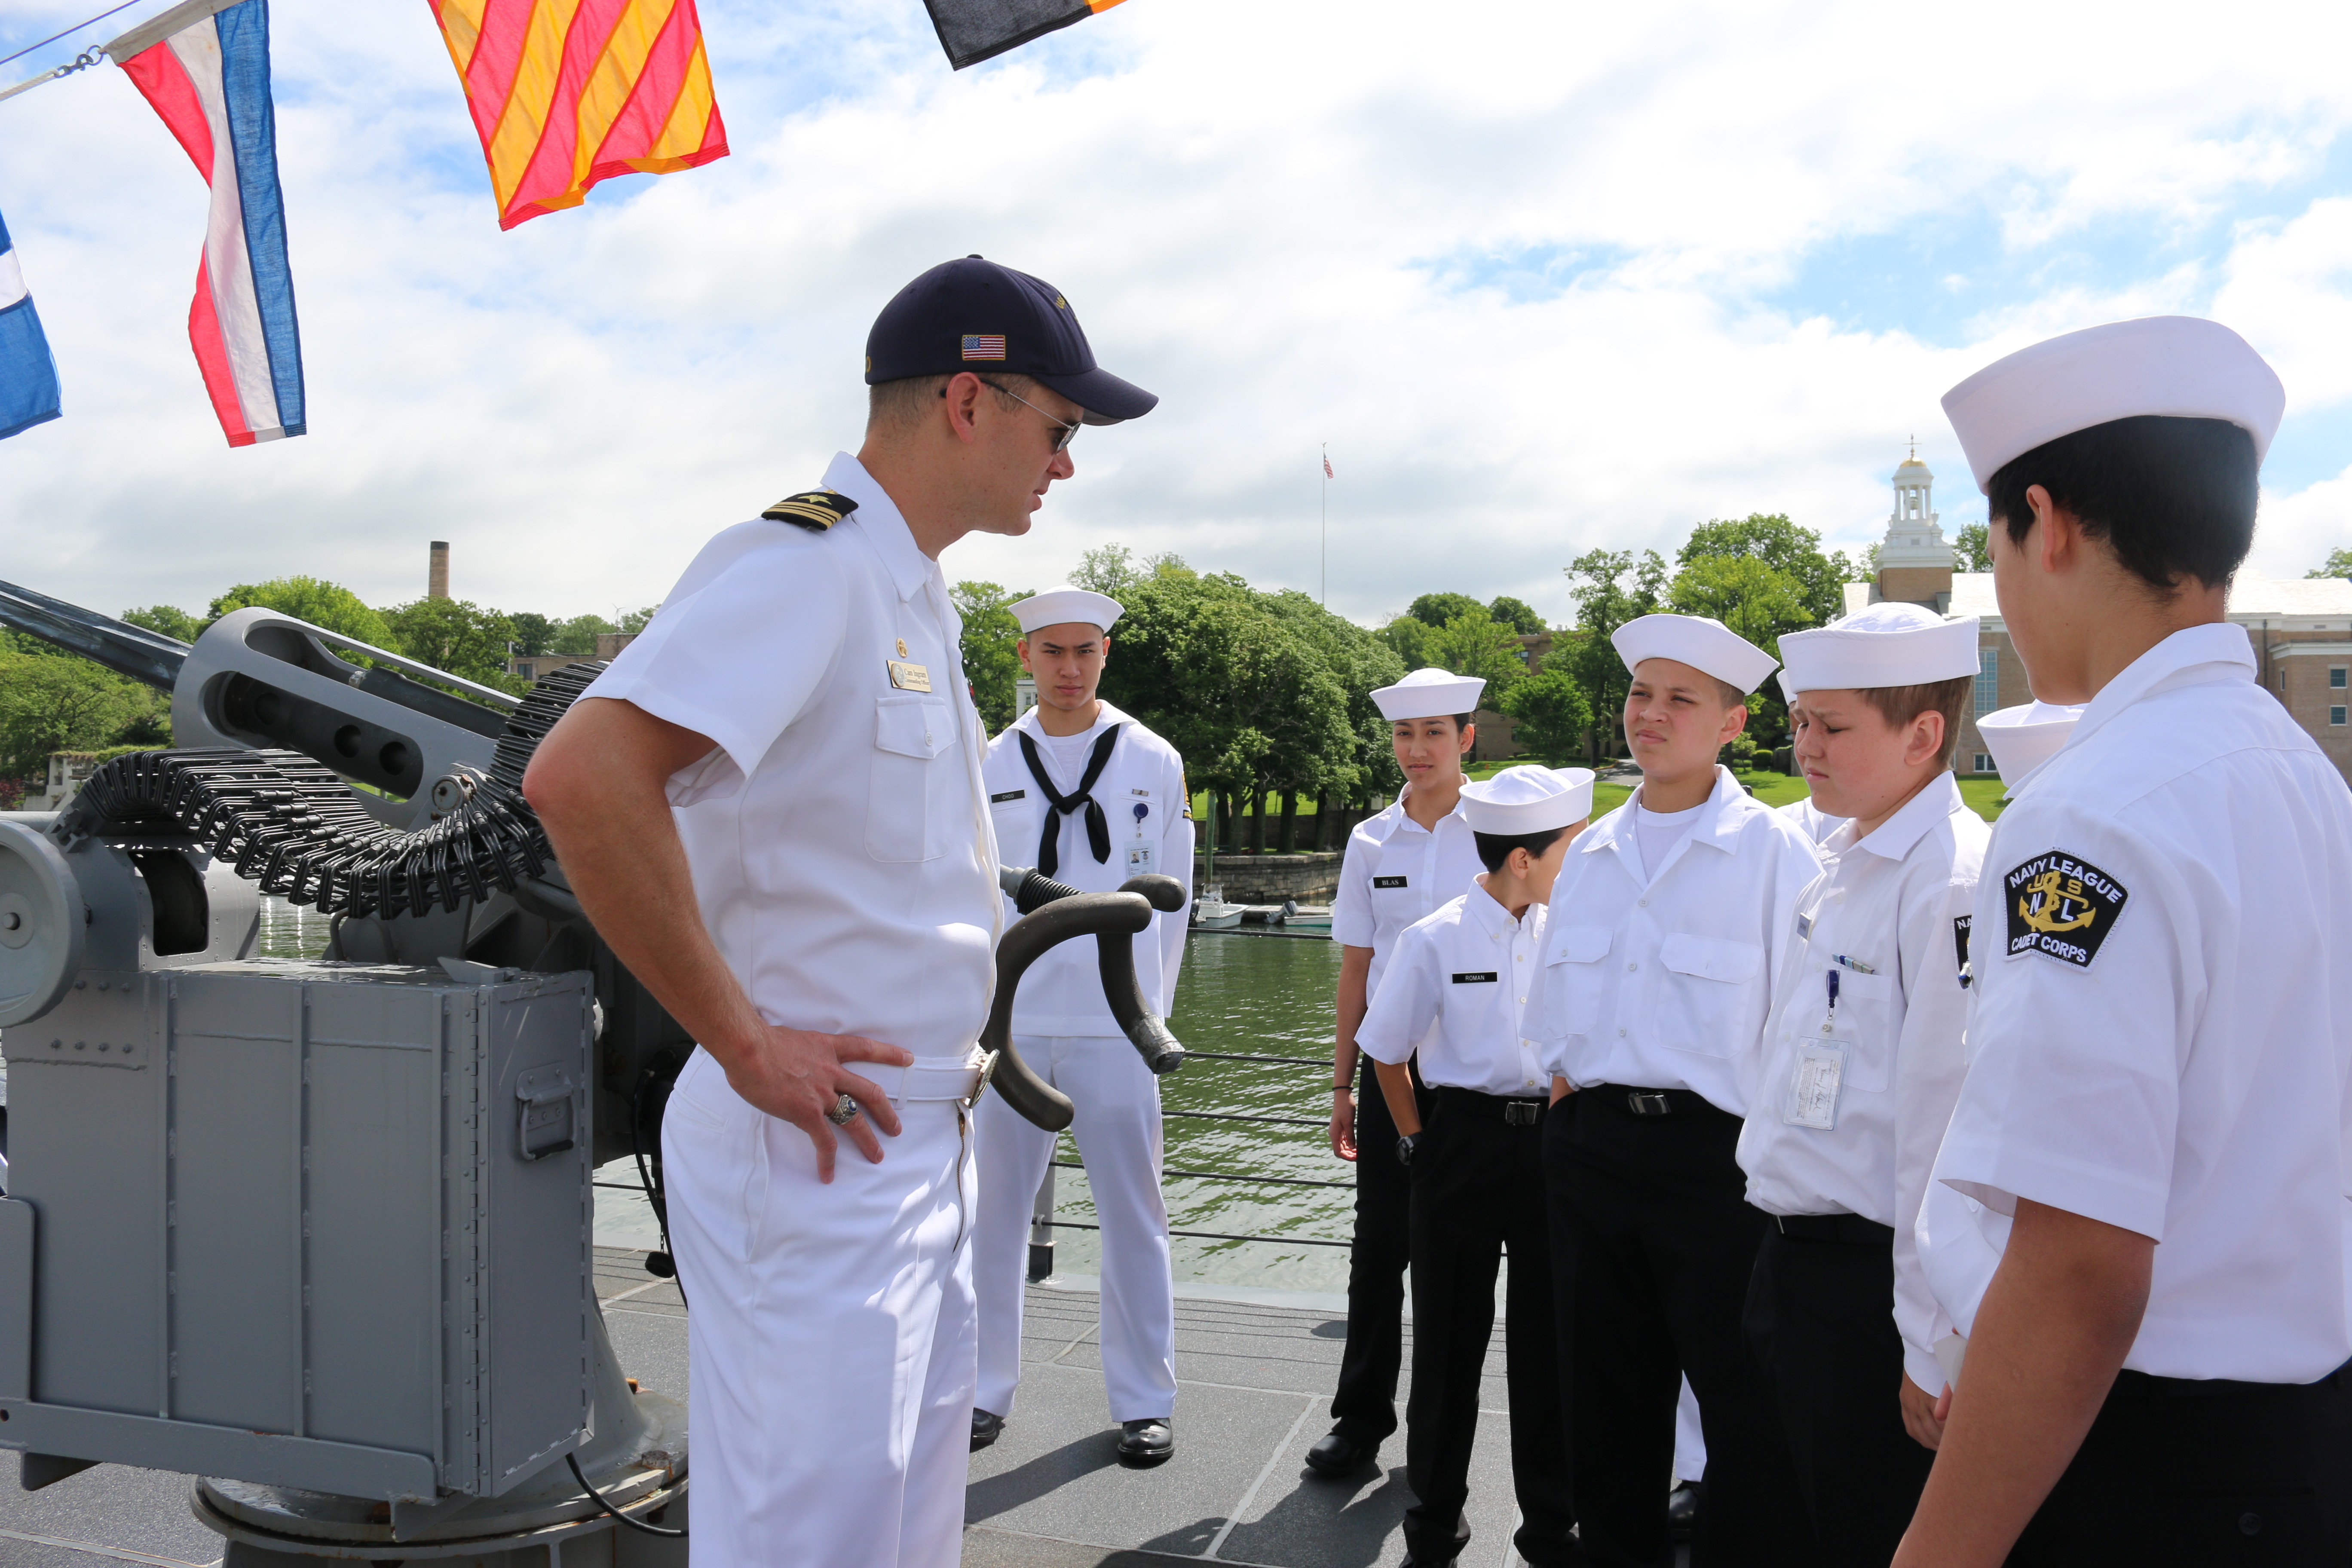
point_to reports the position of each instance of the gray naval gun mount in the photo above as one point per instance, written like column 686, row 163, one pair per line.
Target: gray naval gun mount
column 319, row 1232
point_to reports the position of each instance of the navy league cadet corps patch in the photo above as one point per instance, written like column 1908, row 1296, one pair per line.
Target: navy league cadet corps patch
column 2061, row 906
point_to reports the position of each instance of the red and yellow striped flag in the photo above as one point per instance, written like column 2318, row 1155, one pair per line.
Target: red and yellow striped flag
column 569, row 92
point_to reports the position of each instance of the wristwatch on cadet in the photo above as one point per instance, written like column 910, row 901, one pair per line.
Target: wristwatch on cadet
column 1404, row 1148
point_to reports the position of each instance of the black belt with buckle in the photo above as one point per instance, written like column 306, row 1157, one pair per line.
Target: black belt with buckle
column 1649, row 1102
column 1515, row 1111
column 1850, row 1229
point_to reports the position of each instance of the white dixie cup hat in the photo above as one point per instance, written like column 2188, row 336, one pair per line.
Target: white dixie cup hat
column 1527, row 799
column 1064, row 606
column 1700, row 641
column 1430, row 694
column 2024, row 737
column 1885, row 645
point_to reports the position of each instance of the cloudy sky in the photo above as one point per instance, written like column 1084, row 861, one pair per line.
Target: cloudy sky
column 1545, row 277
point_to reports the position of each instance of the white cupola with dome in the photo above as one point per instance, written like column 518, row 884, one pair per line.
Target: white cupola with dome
column 1914, row 537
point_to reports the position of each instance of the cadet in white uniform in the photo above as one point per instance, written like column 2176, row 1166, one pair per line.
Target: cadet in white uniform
column 1401, row 864
column 1452, row 997
column 771, row 807
column 1667, row 927
column 1806, row 814
column 1100, row 802
column 2153, row 1121
column 1861, row 1060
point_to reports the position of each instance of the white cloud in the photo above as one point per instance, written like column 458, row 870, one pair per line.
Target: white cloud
column 1274, row 216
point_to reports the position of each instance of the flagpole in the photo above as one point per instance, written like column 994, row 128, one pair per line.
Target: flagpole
column 1323, row 595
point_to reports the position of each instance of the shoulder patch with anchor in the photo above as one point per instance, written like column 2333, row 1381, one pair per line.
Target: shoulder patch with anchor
column 2061, row 907
column 815, row 510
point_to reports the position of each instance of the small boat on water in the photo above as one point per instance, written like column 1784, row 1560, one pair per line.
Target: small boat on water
column 1297, row 916
column 1211, row 910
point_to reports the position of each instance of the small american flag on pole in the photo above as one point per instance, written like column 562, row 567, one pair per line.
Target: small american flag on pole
column 1327, row 467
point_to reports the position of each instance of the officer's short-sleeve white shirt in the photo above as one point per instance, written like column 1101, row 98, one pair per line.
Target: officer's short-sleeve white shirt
column 1663, row 981
column 1455, row 992
column 836, row 834
column 1851, row 1100
column 2160, row 1036
column 1141, row 792
column 1395, row 872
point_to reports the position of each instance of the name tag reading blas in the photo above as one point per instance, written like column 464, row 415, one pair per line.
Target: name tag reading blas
column 1387, row 881
column 908, row 677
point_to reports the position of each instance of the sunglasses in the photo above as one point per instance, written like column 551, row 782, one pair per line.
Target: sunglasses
column 1066, row 433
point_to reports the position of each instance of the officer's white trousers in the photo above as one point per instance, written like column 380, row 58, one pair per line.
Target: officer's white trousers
column 829, row 1334
column 1117, row 1127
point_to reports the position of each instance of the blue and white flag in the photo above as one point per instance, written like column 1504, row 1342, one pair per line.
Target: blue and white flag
column 28, row 376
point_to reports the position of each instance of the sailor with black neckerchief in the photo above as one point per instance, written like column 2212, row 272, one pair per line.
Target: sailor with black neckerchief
column 1095, row 797
column 2153, row 1129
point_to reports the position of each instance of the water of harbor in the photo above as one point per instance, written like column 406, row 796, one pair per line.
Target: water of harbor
column 1237, row 995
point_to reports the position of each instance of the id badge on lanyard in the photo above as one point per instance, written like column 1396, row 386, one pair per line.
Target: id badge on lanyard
column 1141, row 853
column 1820, row 1073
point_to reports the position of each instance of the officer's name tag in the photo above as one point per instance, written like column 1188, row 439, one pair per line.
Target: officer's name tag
column 1008, row 794
column 1479, row 977
column 1813, row 1093
column 1138, row 858
column 908, row 677
column 1387, row 881
column 1805, row 926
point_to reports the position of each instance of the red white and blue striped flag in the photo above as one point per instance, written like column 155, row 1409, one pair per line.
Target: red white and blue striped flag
column 210, row 82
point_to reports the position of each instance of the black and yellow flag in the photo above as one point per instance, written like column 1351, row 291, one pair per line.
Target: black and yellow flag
column 975, row 30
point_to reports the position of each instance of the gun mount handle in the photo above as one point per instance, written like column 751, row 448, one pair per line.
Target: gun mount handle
column 1120, row 915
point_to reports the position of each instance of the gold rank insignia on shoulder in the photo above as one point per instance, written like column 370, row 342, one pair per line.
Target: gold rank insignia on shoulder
column 815, row 510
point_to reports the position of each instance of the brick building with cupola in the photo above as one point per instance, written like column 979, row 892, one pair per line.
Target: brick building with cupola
column 2300, row 628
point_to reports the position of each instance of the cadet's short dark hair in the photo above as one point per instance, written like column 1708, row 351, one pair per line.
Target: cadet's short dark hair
column 2172, row 497
column 1461, row 721
column 1494, row 848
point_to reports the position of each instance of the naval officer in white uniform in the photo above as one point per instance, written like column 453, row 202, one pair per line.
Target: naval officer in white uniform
column 1092, row 798
column 771, row 807
column 1401, row 864
column 2155, row 1127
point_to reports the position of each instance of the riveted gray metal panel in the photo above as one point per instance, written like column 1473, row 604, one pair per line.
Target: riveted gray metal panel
column 17, row 1226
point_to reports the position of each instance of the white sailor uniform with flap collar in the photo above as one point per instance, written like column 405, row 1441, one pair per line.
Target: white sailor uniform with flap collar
column 841, row 856
column 1662, row 978
column 1852, row 1100
column 1065, row 1030
column 2161, row 1034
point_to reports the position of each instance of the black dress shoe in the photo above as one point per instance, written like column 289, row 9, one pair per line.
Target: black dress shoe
column 987, row 1427
column 1681, row 1510
column 1335, row 1456
column 1145, row 1443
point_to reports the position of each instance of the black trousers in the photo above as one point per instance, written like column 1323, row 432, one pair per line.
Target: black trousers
column 1477, row 1192
column 1664, row 1242
column 2181, row 1474
column 1821, row 1327
column 1363, row 1408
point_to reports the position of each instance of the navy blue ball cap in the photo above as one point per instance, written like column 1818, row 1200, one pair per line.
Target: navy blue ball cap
column 977, row 316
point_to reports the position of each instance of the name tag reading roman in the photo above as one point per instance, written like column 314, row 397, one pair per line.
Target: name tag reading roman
column 1008, row 794
column 908, row 677
column 1387, row 881
column 1482, row 977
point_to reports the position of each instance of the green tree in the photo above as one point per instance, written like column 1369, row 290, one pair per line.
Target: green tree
column 1745, row 595
column 1106, row 569
column 1973, row 545
column 576, row 638
column 1604, row 601
column 2338, row 564
column 1245, row 698
column 1770, row 538
column 66, row 704
column 311, row 599
column 638, row 620
column 1362, row 662
column 533, row 635
column 991, row 661
column 1434, row 610
column 1553, row 713
column 168, row 619
column 1474, row 642
column 1517, row 616
column 455, row 636
column 1409, row 639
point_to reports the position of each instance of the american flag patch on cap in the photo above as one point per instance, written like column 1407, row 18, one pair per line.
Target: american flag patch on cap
column 983, row 345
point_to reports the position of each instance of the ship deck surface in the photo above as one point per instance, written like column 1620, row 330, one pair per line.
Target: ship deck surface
column 1255, row 1387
